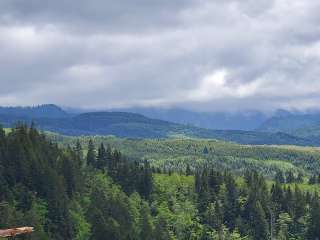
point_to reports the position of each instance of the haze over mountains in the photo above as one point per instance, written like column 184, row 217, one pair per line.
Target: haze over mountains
column 168, row 123
column 212, row 120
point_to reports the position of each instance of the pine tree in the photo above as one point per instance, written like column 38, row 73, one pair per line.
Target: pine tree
column 283, row 223
column 259, row 224
column 300, row 178
column 312, row 180
column 188, row 170
column 197, row 181
column 290, row 177
column 289, row 201
column 91, row 155
column 279, row 177
column 313, row 232
column 109, row 157
column 79, row 153
column 232, row 207
column 161, row 231
column 101, row 161
column 205, row 150
column 147, row 181
column 277, row 197
column 146, row 223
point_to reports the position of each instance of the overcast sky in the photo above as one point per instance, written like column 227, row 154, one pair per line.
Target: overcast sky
column 207, row 55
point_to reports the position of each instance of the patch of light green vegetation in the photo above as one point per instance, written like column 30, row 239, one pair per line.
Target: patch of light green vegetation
column 177, row 153
column 298, row 148
column 7, row 130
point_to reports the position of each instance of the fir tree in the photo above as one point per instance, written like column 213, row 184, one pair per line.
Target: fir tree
column 101, row 161
column 314, row 220
column 91, row 155
column 188, row 170
column 260, row 224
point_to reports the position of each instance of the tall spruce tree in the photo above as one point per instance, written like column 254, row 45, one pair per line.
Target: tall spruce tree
column 91, row 155
column 101, row 161
column 313, row 232
column 259, row 222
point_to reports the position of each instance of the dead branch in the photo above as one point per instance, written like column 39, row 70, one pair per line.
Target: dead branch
column 15, row 231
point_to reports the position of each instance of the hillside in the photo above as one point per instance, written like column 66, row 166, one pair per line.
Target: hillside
column 41, row 111
column 301, row 125
column 247, row 120
column 178, row 153
column 131, row 125
column 102, row 193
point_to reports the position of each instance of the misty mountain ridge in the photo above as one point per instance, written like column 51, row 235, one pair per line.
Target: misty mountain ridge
column 248, row 120
column 134, row 125
column 40, row 111
column 298, row 124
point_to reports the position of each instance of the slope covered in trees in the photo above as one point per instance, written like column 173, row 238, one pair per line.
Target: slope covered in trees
column 177, row 154
column 124, row 124
column 100, row 193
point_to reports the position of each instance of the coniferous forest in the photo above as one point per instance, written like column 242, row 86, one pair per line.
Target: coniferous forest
column 159, row 120
column 69, row 193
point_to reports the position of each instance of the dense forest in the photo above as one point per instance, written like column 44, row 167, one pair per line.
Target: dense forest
column 100, row 193
column 175, row 154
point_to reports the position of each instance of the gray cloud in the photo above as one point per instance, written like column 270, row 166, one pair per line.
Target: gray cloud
column 199, row 54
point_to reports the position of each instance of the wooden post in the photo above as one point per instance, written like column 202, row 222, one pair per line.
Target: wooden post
column 12, row 232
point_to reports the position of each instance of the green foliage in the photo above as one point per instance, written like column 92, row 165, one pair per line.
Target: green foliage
column 178, row 154
column 155, row 189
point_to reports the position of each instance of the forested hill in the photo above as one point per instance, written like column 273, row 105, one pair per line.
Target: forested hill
column 245, row 120
column 66, row 193
column 41, row 111
column 301, row 125
column 123, row 124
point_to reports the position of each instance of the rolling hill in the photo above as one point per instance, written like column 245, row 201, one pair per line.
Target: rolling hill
column 247, row 120
column 298, row 124
column 178, row 153
column 132, row 125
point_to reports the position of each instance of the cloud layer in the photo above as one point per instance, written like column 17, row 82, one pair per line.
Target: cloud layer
column 199, row 54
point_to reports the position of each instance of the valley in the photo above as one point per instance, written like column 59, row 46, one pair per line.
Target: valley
column 126, row 176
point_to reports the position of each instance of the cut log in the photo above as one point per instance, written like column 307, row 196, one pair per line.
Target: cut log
column 15, row 231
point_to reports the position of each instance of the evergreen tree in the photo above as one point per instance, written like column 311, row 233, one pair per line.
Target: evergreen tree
column 79, row 153
column 314, row 220
column 161, row 231
column 232, row 207
column 277, row 197
column 300, row 178
column 146, row 184
column 259, row 222
column 279, row 177
column 290, row 177
column 205, row 150
column 188, row 170
column 283, row 223
column 312, row 180
column 91, row 155
column 146, row 223
column 101, row 161
column 197, row 181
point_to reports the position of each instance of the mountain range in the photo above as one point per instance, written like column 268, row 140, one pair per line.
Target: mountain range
column 134, row 125
column 249, row 120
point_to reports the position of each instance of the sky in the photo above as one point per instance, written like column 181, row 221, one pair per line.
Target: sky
column 208, row 55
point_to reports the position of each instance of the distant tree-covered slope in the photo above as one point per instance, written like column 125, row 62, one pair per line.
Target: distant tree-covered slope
column 41, row 111
column 301, row 125
column 124, row 124
column 246, row 120
column 176, row 154
column 137, row 126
